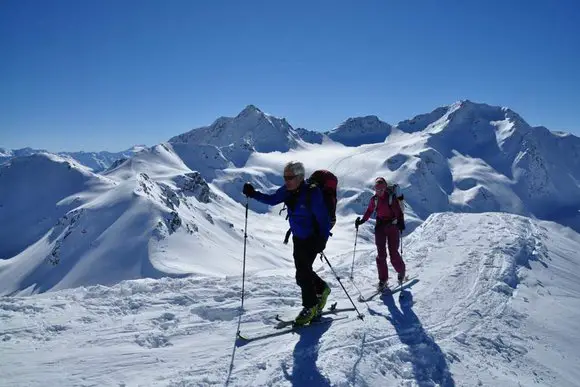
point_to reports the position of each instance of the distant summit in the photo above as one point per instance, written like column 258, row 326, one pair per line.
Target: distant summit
column 251, row 130
column 360, row 130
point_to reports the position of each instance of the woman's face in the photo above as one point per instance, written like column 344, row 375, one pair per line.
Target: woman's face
column 380, row 188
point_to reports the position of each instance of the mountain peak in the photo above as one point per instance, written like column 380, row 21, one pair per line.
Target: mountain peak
column 463, row 114
column 467, row 104
column 356, row 131
column 366, row 119
column 250, row 110
column 251, row 130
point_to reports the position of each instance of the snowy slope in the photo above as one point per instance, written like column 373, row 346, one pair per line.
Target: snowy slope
column 529, row 170
column 496, row 304
column 151, row 216
column 8, row 154
column 36, row 191
column 97, row 161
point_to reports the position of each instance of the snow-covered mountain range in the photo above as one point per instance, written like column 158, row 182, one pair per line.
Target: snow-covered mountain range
column 466, row 157
column 97, row 161
column 174, row 214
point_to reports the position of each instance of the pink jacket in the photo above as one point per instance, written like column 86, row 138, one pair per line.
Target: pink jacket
column 384, row 211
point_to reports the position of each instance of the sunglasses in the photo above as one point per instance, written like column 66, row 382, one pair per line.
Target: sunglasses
column 288, row 178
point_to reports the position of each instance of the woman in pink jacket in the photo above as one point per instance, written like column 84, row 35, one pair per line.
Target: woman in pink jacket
column 390, row 221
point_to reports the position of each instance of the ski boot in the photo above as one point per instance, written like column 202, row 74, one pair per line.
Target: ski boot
column 382, row 285
column 401, row 277
column 305, row 316
column 322, row 298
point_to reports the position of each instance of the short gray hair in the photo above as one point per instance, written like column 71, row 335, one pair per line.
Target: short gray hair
column 296, row 167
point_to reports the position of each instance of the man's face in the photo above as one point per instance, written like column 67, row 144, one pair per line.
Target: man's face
column 291, row 180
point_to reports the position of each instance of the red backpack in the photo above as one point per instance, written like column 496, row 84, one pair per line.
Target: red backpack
column 327, row 182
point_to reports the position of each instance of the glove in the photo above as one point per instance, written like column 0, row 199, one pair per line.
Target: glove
column 249, row 190
column 320, row 245
column 401, row 224
column 358, row 222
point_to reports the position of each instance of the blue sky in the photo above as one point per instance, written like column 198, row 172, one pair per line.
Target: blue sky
column 107, row 74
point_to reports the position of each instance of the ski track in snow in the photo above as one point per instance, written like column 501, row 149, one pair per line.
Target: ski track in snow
column 461, row 324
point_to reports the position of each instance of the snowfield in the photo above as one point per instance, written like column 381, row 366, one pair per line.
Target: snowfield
column 496, row 303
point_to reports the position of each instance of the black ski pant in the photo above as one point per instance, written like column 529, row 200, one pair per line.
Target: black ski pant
column 310, row 283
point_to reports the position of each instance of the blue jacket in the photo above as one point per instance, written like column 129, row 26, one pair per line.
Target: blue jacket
column 303, row 216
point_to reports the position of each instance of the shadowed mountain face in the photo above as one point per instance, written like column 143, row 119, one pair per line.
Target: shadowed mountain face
column 360, row 130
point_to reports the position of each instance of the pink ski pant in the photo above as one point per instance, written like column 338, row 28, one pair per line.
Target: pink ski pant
column 388, row 235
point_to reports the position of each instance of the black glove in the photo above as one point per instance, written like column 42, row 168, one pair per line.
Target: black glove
column 358, row 222
column 401, row 224
column 320, row 245
column 249, row 190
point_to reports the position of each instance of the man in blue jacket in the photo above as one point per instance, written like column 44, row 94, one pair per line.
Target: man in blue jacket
column 310, row 226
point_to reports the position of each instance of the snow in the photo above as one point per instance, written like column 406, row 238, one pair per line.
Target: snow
column 7, row 154
column 133, row 276
column 97, row 161
column 49, row 184
column 251, row 130
column 482, row 313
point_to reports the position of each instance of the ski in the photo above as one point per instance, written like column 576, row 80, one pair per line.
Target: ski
column 287, row 326
column 282, row 323
column 406, row 284
column 243, row 339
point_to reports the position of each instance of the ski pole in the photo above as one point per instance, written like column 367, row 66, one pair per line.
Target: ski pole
column 353, row 254
column 360, row 316
column 401, row 239
column 243, row 270
column 245, row 239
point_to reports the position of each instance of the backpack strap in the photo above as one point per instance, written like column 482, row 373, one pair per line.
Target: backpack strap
column 376, row 200
column 287, row 237
column 308, row 204
column 309, row 189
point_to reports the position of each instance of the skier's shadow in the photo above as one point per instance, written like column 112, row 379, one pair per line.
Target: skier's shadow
column 304, row 371
column 429, row 362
